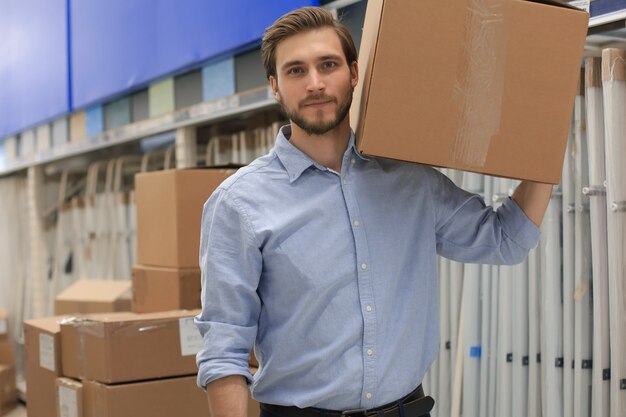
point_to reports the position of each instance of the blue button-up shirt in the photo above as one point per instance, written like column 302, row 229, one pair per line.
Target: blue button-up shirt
column 332, row 276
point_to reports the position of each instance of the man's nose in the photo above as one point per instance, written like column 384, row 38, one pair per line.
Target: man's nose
column 316, row 81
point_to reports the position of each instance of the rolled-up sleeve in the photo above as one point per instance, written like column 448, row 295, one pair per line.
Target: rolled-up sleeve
column 230, row 261
column 470, row 231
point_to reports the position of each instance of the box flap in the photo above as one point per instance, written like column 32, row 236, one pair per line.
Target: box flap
column 48, row 324
column 96, row 290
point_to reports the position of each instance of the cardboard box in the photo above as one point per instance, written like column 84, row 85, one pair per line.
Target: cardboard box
column 94, row 296
column 178, row 397
column 7, row 357
column 491, row 93
column 122, row 347
column 162, row 289
column 69, row 397
column 8, row 392
column 169, row 212
column 42, row 345
column 4, row 324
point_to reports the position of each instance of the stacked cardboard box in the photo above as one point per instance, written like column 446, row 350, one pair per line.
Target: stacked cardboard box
column 8, row 393
column 178, row 397
column 131, row 364
column 42, row 345
column 94, row 296
column 169, row 212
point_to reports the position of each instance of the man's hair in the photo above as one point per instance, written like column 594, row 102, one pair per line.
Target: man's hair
column 298, row 21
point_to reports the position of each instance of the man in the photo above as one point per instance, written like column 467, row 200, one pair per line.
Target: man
column 324, row 259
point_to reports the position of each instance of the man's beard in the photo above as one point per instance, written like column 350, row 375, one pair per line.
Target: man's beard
column 321, row 127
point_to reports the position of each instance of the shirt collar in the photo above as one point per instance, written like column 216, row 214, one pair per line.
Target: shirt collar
column 295, row 161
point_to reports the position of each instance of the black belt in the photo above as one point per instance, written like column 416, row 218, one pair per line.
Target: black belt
column 415, row 404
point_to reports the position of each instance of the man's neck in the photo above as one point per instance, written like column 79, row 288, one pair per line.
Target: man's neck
column 327, row 149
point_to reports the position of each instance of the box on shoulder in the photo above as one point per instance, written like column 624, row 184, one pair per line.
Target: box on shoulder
column 446, row 85
column 69, row 397
column 88, row 296
column 162, row 289
column 169, row 212
column 42, row 346
column 8, row 392
column 123, row 347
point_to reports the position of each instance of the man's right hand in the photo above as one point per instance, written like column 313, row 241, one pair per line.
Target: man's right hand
column 228, row 396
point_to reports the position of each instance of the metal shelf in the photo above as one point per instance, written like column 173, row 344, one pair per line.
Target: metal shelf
column 201, row 113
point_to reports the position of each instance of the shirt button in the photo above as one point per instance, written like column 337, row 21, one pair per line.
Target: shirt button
column 370, row 352
column 368, row 395
column 353, row 160
column 356, row 223
column 344, row 182
column 363, row 265
column 369, row 309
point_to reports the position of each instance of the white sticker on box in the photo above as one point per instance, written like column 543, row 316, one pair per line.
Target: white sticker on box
column 68, row 402
column 46, row 352
column 190, row 340
column 3, row 326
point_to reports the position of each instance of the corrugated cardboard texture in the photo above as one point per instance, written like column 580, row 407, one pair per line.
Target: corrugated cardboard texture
column 69, row 398
column 446, row 86
column 169, row 212
column 8, row 393
column 40, row 381
column 122, row 347
column 162, row 289
column 178, row 397
column 94, row 296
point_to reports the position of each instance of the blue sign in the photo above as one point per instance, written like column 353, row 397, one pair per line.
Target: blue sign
column 118, row 45
column 34, row 84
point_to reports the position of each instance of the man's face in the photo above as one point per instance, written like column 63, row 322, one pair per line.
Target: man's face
column 313, row 82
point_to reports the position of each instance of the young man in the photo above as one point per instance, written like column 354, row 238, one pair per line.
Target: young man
column 325, row 260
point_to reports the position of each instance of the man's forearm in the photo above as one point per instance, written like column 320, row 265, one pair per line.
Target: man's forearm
column 228, row 397
column 533, row 199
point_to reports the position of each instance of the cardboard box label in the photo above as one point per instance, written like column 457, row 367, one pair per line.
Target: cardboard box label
column 68, row 402
column 3, row 326
column 46, row 352
column 190, row 339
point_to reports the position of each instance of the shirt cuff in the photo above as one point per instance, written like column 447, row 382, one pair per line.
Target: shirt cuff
column 517, row 226
column 221, row 370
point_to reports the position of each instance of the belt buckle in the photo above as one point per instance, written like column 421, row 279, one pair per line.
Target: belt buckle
column 355, row 412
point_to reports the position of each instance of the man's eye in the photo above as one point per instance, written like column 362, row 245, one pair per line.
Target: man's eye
column 294, row 71
column 329, row 64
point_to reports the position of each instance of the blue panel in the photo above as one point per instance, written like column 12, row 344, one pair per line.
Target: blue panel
column 600, row 7
column 95, row 120
column 218, row 79
column 141, row 40
column 34, row 64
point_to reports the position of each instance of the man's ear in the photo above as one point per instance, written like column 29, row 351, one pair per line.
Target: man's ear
column 354, row 74
column 274, row 85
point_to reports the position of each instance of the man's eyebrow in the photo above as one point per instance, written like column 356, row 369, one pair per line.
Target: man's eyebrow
column 292, row 63
column 321, row 58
